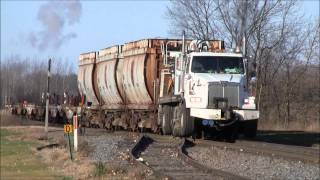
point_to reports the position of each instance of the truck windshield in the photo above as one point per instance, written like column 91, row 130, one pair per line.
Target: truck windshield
column 215, row 64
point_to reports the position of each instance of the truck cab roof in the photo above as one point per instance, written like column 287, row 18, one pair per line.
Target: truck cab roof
column 216, row 54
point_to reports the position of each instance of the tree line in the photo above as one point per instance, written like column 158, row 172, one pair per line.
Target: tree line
column 279, row 39
column 25, row 79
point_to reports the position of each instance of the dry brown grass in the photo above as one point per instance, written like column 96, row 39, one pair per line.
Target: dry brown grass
column 118, row 170
column 84, row 149
column 59, row 160
column 313, row 126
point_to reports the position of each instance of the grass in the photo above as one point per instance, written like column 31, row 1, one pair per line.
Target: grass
column 18, row 160
column 100, row 169
column 67, row 178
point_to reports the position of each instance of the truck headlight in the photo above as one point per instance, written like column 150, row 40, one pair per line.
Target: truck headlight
column 211, row 123
column 205, row 122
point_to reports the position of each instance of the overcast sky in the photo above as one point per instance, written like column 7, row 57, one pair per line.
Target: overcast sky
column 44, row 29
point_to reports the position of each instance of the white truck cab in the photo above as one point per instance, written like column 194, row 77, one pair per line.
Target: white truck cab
column 215, row 83
column 211, row 92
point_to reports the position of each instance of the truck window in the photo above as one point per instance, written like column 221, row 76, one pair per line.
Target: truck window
column 215, row 64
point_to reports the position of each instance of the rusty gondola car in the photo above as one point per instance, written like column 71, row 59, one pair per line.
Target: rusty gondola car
column 120, row 84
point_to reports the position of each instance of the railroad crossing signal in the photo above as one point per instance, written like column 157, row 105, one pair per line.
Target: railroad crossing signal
column 67, row 128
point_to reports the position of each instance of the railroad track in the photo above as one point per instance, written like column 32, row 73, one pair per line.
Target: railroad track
column 166, row 158
column 288, row 152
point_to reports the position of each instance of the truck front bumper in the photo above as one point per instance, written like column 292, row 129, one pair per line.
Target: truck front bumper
column 216, row 114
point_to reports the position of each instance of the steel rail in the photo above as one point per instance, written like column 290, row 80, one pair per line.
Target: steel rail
column 183, row 155
column 149, row 152
column 288, row 152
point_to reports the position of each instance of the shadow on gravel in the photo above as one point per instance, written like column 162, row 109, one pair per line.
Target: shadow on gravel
column 187, row 144
column 142, row 146
column 297, row 138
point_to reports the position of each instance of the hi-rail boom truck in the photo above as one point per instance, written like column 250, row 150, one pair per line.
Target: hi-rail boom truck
column 211, row 92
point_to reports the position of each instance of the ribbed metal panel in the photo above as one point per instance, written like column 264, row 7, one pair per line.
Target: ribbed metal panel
column 231, row 91
column 226, row 90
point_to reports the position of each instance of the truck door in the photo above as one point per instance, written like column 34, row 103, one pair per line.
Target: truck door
column 179, row 75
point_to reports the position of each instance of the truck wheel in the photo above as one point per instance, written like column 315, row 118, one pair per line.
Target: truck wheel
column 166, row 117
column 232, row 132
column 250, row 128
column 183, row 123
column 198, row 130
column 176, row 121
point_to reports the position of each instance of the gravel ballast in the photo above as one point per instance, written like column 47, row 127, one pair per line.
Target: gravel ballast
column 253, row 166
column 109, row 147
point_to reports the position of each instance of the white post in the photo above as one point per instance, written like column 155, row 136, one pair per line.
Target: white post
column 47, row 116
column 75, row 132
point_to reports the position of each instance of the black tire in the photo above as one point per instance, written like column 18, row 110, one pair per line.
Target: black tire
column 176, row 131
column 204, row 134
column 183, row 123
column 197, row 129
column 232, row 132
column 166, row 116
column 188, row 128
column 250, row 128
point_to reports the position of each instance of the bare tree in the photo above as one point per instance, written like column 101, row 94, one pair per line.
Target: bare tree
column 197, row 17
column 283, row 44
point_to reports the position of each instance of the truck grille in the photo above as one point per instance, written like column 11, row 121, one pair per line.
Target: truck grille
column 229, row 91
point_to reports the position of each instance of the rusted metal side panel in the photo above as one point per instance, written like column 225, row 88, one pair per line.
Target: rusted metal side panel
column 130, row 97
column 106, row 70
column 133, row 80
column 119, row 80
column 140, row 79
column 140, row 65
column 88, row 84
column 81, row 88
column 100, row 82
column 151, row 73
column 133, row 75
column 95, row 84
column 85, row 77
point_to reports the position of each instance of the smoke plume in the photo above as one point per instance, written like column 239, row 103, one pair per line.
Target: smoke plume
column 54, row 17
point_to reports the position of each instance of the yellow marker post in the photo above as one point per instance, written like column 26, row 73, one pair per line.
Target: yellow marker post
column 67, row 128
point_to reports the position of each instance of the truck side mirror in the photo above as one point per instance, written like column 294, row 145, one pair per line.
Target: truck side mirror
column 253, row 72
column 252, row 78
column 188, row 76
column 245, row 63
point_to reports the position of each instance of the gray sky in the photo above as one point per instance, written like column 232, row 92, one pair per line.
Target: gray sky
column 44, row 29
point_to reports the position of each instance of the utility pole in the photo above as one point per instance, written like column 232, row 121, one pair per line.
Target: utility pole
column 47, row 100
